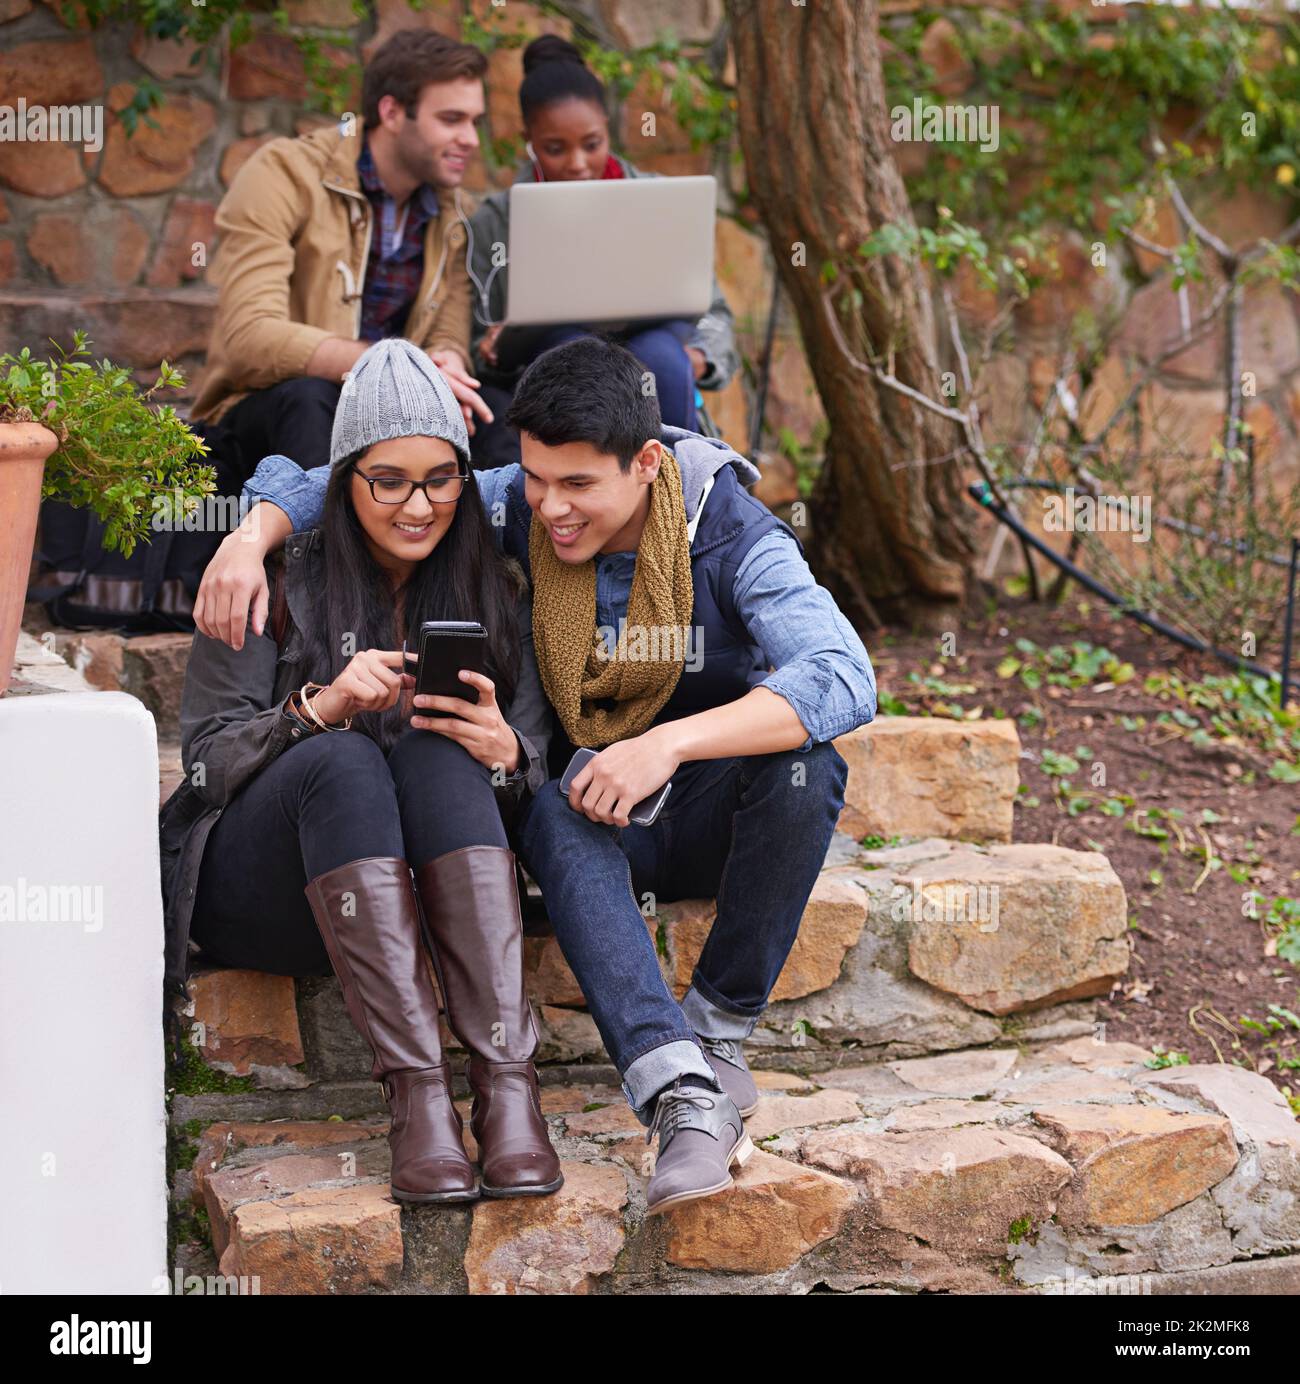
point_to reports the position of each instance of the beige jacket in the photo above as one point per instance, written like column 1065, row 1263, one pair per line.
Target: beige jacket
column 295, row 232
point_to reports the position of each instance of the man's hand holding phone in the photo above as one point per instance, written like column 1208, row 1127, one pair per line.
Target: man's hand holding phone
column 611, row 784
column 480, row 729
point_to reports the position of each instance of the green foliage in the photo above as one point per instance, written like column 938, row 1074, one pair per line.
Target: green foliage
column 1283, row 917
column 1166, row 1058
column 119, row 454
column 1235, row 709
column 1279, row 1019
column 702, row 105
column 1057, row 765
column 1079, row 116
column 1019, row 1229
column 1076, row 665
column 190, row 1075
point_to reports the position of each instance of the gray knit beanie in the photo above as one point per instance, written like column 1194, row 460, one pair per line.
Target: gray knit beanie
column 395, row 390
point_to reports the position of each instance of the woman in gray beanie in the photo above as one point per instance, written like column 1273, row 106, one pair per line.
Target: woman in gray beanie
column 321, row 825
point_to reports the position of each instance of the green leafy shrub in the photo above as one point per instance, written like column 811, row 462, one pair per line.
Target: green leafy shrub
column 119, row 453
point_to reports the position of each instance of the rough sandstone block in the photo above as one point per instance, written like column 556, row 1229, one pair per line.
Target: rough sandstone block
column 248, row 1020
column 1135, row 1163
column 153, row 669
column 51, row 72
column 777, row 1113
column 326, row 1240
column 40, row 170
column 928, row 776
column 1260, row 1201
column 567, row 1035
column 773, row 1215
column 222, row 1141
column 153, row 159
column 832, row 924
column 960, row 1190
column 968, row 1074
column 547, row 974
column 1017, row 928
column 133, row 327
column 554, row 1244
column 273, row 1178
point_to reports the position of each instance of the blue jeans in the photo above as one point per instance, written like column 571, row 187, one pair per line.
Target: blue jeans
column 752, row 831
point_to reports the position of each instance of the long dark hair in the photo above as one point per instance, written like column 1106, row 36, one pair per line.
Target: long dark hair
column 355, row 607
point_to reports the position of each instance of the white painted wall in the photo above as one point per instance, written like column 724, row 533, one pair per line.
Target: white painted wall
column 83, row 1190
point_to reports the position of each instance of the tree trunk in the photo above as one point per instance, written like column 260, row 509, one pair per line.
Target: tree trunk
column 893, row 528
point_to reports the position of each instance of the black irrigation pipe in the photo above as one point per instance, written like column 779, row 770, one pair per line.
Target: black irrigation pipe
column 765, row 369
column 1240, row 544
column 983, row 496
column 1289, row 628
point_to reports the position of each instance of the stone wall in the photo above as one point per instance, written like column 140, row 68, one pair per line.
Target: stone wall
column 116, row 241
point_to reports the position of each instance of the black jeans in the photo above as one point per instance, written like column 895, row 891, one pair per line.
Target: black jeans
column 495, row 443
column 659, row 346
column 326, row 802
column 294, row 418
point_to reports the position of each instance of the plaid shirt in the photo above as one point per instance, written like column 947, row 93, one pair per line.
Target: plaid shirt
column 393, row 274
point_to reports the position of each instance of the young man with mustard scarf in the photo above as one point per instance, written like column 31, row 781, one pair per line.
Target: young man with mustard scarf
column 634, row 535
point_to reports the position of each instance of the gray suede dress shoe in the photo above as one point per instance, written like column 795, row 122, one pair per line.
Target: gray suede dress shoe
column 728, row 1062
column 701, row 1135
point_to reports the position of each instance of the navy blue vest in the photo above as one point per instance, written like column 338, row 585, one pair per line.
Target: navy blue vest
column 732, row 522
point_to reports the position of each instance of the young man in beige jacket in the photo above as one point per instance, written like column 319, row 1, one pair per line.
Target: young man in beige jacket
column 336, row 239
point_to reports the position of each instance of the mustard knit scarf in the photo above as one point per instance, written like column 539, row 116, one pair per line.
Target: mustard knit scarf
column 577, row 670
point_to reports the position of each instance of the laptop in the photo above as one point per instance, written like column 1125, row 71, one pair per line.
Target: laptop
column 610, row 251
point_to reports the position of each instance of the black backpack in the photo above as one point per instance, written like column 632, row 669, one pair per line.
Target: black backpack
column 83, row 586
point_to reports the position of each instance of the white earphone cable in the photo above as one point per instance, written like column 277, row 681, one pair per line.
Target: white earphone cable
column 482, row 310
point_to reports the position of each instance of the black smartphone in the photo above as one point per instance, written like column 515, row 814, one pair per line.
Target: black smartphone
column 444, row 648
column 643, row 813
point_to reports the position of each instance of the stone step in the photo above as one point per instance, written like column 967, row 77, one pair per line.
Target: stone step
column 912, row 777
column 1075, row 1169
column 928, row 776
column 148, row 666
column 903, row 951
column 135, row 327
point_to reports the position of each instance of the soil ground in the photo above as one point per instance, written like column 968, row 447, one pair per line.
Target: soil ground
column 1203, row 970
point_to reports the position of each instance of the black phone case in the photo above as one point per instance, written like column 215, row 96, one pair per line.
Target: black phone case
column 444, row 650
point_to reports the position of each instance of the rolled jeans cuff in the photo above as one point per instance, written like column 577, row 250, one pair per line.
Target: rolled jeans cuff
column 710, row 1020
column 660, row 1067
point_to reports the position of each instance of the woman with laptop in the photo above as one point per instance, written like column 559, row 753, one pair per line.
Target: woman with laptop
column 321, row 825
column 566, row 124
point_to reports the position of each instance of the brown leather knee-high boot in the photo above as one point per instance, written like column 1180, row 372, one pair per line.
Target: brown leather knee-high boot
column 471, row 905
column 369, row 920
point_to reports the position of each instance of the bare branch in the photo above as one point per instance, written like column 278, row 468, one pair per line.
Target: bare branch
column 1162, row 250
column 1201, row 232
column 1199, row 328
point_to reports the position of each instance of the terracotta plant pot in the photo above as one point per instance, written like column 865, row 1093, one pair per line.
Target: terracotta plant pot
column 23, row 450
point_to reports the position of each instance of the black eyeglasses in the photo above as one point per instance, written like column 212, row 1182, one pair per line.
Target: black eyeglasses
column 396, row 490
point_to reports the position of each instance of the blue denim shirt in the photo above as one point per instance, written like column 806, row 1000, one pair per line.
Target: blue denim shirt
column 820, row 666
